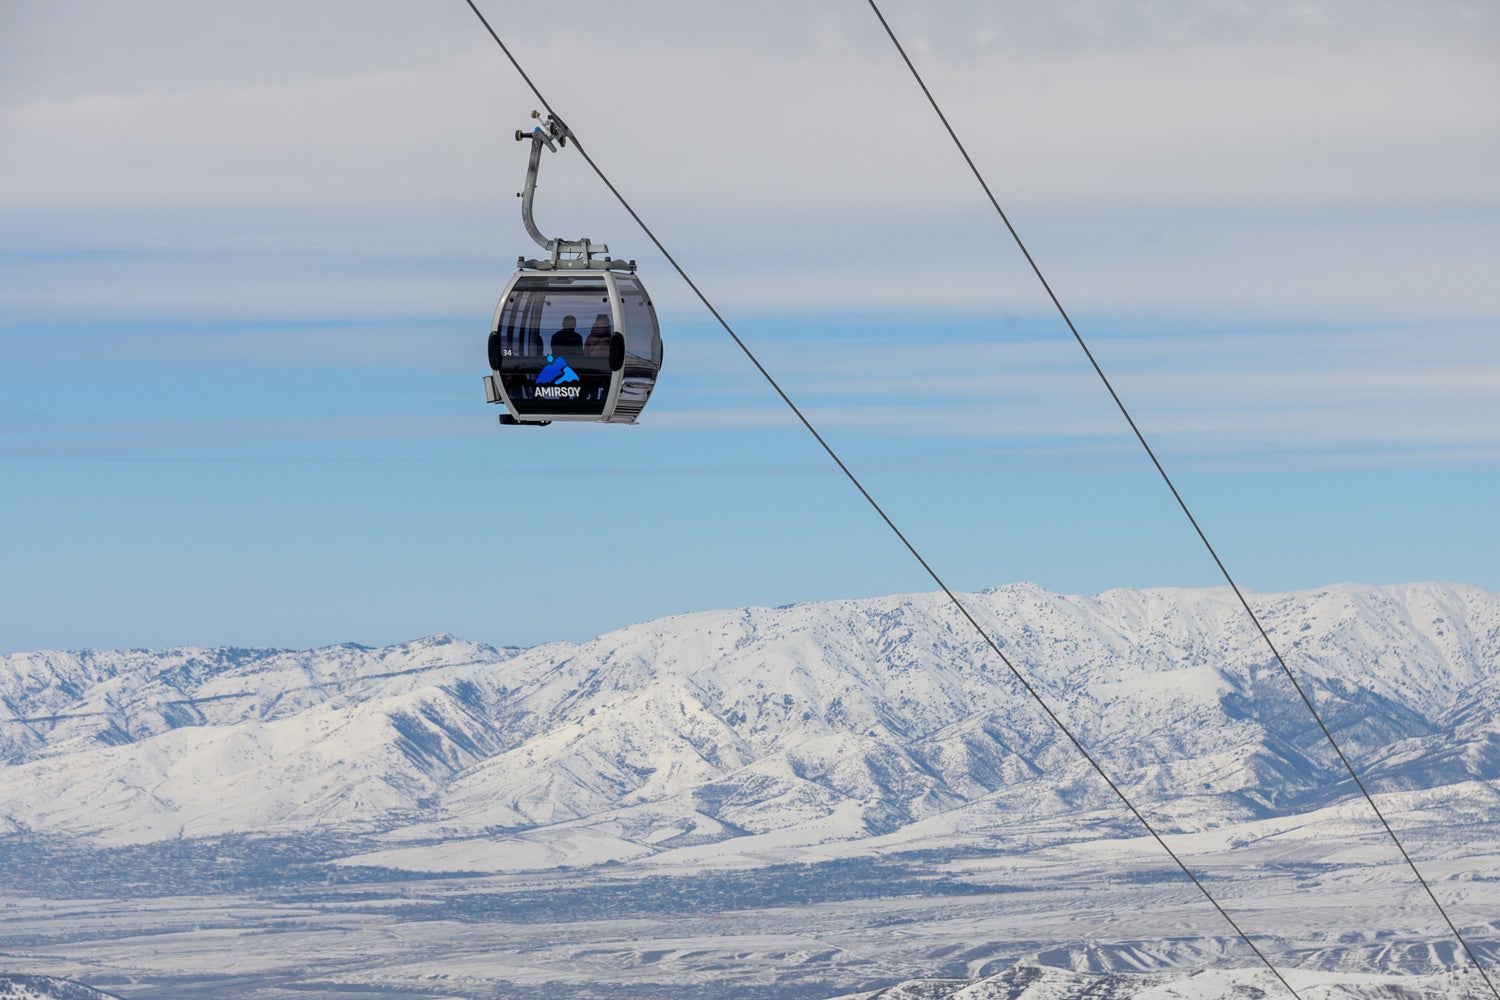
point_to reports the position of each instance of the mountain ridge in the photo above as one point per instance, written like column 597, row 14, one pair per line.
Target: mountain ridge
column 828, row 721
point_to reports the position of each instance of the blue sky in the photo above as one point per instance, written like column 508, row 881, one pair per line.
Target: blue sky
column 247, row 267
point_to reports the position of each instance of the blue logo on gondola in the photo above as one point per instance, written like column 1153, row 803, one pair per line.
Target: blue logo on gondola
column 556, row 373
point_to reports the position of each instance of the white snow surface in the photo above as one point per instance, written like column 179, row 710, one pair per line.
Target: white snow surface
column 23, row 987
column 1039, row 982
column 716, row 737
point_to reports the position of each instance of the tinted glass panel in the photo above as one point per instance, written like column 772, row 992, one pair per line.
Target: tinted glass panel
column 544, row 315
column 544, row 326
column 642, row 347
column 642, row 337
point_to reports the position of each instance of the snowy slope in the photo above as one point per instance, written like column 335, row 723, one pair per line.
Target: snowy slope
column 21, row 987
column 822, row 722
column 1040, row 982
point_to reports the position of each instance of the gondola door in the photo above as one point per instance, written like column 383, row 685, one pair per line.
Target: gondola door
column 550, row 346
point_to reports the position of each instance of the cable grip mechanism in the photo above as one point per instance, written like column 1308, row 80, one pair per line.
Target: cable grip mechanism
column 563, row 254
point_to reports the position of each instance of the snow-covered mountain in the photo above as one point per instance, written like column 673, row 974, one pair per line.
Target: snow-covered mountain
column 21, row 987
column 697, row 736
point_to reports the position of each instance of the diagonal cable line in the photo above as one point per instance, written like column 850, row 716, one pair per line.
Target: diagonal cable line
column 952, row 597
column 1306, row 700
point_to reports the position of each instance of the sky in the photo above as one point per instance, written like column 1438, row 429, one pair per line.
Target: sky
column 250, row 254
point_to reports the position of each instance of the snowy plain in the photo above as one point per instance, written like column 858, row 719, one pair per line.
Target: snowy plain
column 822, row 800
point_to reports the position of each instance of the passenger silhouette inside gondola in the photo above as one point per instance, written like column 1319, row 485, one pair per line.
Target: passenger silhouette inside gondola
column 568, row 339
column 598, row 342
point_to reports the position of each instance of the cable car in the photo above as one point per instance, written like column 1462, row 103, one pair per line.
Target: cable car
column 574, row 335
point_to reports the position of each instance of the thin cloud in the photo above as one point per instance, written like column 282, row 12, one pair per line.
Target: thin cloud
column 1320, row 162
column 1384, row 398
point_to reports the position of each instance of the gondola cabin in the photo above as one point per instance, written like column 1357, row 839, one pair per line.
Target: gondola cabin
column 574, row 336
column 574, row 345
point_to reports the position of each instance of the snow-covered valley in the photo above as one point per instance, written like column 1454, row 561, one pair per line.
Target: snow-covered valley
column 808, row 801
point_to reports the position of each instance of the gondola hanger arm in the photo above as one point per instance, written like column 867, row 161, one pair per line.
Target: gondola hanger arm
column 553, row 134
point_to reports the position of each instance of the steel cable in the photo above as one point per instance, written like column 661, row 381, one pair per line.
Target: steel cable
column 1306, row 700
column 952, row 597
